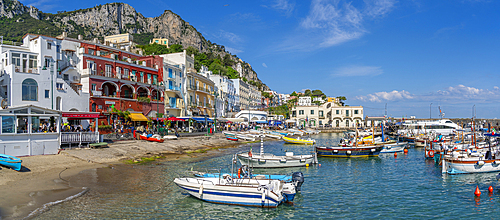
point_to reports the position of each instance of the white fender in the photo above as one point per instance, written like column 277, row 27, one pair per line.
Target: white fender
column 201, row 190
column 480, row 163
column 348, row 152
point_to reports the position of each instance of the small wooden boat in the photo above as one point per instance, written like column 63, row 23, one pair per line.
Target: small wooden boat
column 10, row 161
column 274, row 136
column 244, row 137
column 232, row 138
column 266, row 160
column 299, row 141
column 154, row 139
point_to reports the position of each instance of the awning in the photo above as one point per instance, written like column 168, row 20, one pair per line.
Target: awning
column 81, row 115
column 175, row 119
column 138, row 117
column 259, row 122
column 202, row 119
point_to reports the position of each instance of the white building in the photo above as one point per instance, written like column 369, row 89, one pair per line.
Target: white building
column 174, row 78
column 253, row 116
column 318, row 99
column 42, row 72
column 242, row 91
column 225, row 92
column 329, row 113
column 304, row 101
column 255, row 97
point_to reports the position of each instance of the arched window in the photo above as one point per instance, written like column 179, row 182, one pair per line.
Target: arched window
column 30, row 90
column 93, row 107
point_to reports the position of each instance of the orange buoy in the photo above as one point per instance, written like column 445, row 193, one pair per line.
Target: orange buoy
column 477, row 192
column 319, row 165
column 490, row 189
column 406, row 151
column 395, row 154
column 239, row 173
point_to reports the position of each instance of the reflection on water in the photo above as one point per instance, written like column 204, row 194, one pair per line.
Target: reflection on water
column 383, row 187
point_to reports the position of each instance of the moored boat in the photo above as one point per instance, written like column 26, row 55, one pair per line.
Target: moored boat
column 298, row 140
column 393, row 148
column 349, row 151
column 10, row 161
column 244, row 192
column 265, row 160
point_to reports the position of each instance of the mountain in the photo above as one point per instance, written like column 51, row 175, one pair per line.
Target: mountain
column 17, row 19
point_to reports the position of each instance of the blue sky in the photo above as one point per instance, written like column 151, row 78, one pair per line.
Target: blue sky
column 406, row 54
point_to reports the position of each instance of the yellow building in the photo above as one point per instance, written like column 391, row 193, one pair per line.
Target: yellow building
column 119, row 38
column 200, row 94
column 161, row 41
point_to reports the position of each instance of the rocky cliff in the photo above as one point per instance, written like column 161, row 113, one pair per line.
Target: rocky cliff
column 110, row 19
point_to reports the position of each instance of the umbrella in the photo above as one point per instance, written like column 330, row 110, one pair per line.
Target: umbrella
column 229, row 122
column 174, row 119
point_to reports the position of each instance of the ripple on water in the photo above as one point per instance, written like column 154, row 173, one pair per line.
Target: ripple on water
column 358, row 188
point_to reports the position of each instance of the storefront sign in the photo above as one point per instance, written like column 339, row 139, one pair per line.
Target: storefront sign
column 80, row 115
column 109, row 102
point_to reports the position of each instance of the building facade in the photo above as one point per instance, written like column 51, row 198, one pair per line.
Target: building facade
column 242, row 91
column 174, row 78
column 304, row 101
column 328, row 114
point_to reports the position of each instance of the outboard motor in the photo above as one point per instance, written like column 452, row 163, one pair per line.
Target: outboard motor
column 298, row 179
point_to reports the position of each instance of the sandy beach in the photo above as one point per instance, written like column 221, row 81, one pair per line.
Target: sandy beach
column 45, row 177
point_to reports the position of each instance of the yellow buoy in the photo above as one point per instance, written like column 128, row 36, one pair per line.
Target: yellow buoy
column 307, row 165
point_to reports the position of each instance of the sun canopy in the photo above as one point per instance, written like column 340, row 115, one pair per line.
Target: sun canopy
column 202, row 119
column 175, row 119
column 138, row 117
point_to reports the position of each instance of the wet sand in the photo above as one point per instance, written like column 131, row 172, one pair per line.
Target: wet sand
column 46, row 178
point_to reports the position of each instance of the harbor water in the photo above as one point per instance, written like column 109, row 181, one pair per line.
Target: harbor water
column 406, row 186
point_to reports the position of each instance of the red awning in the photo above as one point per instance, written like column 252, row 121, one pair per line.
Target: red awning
column 175, row 119
column 81, row 115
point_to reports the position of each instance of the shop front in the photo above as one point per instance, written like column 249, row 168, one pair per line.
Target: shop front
column 29, row 130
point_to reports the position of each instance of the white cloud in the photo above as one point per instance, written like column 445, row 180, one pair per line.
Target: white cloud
column 386, row 96
column 233, row 50
column 233, row 38
column 358, row 71
column 264, row 65
column 285, row 6
column 330, row 23
column 462, row 92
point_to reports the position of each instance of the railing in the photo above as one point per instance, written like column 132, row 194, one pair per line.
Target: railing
column 79, row 137
column 26, row 70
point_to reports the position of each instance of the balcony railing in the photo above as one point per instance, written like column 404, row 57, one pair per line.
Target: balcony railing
column 79, row 137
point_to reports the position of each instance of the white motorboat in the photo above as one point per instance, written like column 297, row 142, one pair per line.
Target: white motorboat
column 263, row 160
column 232, row 191
column 393, row 148
column 273, row 161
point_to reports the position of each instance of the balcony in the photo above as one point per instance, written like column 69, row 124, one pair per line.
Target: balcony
column 19, row 69
column 174, row 88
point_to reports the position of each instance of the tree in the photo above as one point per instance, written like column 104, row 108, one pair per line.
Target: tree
column 317, row 93
column 217, row 68
column 341, row 98
column 227, row 61
column 308, row 92
column 176, row 48
column 191, row 50
column 266, row 95
column 155, row 48
column 294, row 94
column 231, row 73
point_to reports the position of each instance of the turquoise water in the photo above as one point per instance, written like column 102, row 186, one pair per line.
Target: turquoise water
column 359, row 188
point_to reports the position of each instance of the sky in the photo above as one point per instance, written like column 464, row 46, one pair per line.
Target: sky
column 408, row 58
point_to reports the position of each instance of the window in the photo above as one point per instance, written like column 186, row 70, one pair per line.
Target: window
column 142, row 77
column 126, row 73
column 49, row 46
column 347, row 112
column 8, row 124
column 149, row 78
column 33, row 61
column 59, row 86
column 92, row 67
column 170, row 73
column 91, row 52
column 47, row 62
column 337, row 112
column 156, row 41
column 47, row 94
column 355, row 112
column 312, row 112
column 94, row 107
column 301, row 112
column 172, row 102
column 337, row 123
column 294, row 113
column 320, row 113
column 58, row 48
column 108, row 72
column 94, row 86
column 155, row 79
column 164, row 42
column 16, row 59
column 29, row 90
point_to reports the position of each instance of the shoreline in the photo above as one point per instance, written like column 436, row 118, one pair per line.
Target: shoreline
column 46, row 178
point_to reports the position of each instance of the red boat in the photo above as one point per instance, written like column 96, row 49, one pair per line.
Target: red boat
column 142, row 137
column 232, row 138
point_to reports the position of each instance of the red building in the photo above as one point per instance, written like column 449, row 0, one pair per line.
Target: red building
column 119, row 78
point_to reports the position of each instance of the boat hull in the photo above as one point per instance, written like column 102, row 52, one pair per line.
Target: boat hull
column 232, row 138
column 230, row 194
column 464, row 167
column 256, row 161
column 11, row 162
column 298, row 141
column 372, row 151
column 151, row 139
column 393, row 148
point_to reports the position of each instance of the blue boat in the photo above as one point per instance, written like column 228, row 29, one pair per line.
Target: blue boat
column 349, row 151
column 10, row 161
